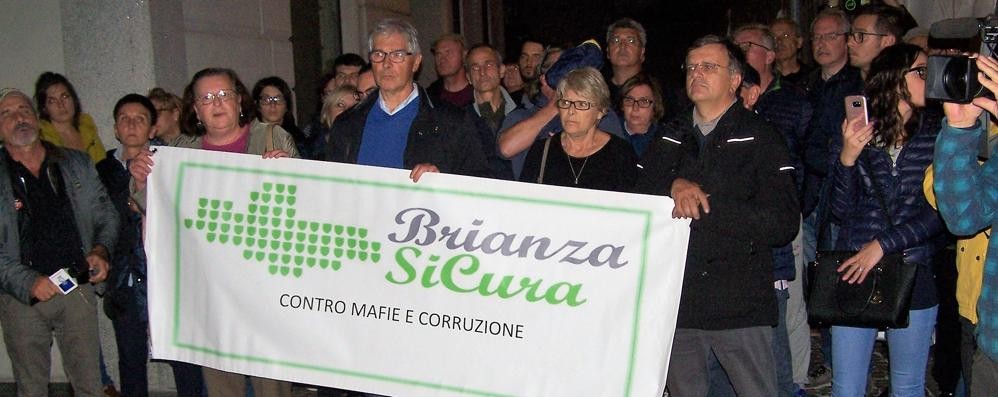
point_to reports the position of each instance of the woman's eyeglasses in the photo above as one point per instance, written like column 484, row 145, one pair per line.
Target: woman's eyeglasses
column 211, row 97
column 641, row 102
column 579, row 105
column 923, row 71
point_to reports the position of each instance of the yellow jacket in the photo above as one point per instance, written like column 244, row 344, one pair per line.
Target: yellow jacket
column 88, row 135
column 970, row 254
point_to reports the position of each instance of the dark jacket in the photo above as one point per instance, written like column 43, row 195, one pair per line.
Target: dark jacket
column 128, row 261
column 745, row 168
column 499, row 167
column 95, row 217
column 440, row 135
column 786, row 107
column 827, row 98
column 856, row 208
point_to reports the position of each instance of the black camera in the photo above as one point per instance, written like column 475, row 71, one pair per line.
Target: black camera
column 953, row 78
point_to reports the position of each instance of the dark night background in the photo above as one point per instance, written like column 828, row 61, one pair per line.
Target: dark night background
column 671, row 25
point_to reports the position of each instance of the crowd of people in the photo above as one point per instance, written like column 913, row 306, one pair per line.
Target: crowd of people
column 757, row 152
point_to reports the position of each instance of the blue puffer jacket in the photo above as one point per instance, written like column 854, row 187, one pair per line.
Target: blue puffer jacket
column 857, row 209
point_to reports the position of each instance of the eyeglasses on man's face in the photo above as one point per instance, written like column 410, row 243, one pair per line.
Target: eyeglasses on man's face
column 221, row 95
column 579, row 105
column 397, row 56
column 640, row 102
column 705, row 67
column 747, row 45
column 859, row 37
column 827, row 36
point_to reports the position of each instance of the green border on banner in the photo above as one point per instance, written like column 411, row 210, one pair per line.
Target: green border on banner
column 409, row 187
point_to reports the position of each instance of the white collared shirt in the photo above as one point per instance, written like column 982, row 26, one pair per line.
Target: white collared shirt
column 412, row 97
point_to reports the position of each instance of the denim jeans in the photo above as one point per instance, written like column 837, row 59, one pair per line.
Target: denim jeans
column 909, row 355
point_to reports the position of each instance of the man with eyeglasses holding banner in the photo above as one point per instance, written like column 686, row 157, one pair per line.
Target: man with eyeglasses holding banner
column 401, row 127
column 729, row 171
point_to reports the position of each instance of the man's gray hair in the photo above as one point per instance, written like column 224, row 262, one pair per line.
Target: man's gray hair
column 844, row 25
column 395, row 26
column 6, row 92
column 768, row 38
column 627, row 23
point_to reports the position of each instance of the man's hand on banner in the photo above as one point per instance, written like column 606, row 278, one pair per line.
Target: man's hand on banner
column 689, row 198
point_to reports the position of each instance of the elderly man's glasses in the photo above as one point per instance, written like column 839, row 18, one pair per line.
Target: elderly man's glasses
column 579, row 105
column 640, row 102
column 923, row 71
column 747, row 45
column 705, row 67
column 272, row 100
column 221, row 95
column 398, row 56
column 827, row 36
column 860, row 36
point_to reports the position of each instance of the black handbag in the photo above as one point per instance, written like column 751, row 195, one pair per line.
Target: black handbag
column 882, row 300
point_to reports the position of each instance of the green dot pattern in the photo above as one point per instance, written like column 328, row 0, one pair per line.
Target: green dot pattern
column 269, row 233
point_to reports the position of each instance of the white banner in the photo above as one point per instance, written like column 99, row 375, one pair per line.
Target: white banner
column 357, row 278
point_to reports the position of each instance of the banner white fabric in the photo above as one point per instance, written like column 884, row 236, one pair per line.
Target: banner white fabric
column 356, row 277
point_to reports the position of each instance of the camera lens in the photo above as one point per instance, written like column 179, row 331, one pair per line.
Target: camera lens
column 955, row 79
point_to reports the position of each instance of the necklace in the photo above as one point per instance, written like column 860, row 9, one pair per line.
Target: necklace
column 572, row 167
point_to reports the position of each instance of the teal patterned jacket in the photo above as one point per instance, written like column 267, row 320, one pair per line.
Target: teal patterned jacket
column 967, row 195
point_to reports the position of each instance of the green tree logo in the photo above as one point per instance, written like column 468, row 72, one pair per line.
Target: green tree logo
column 269, row 233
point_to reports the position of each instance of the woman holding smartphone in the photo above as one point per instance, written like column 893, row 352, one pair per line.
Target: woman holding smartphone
column 882, row 163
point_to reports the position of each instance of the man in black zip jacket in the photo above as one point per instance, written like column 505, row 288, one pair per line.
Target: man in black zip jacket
column 730, row 172
column 400, row 127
